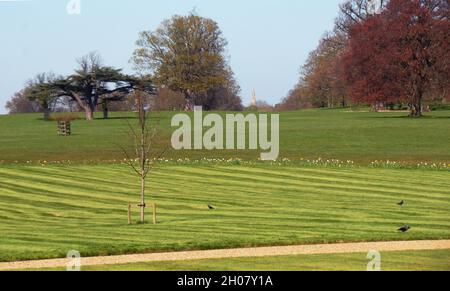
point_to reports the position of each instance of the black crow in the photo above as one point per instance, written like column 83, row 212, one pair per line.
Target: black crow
column 211, row 207
column 404, row 228
column 401, row 203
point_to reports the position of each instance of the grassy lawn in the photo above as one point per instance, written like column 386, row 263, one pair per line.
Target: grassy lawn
column 339, row 134
column 390, row 261
column 46, row 211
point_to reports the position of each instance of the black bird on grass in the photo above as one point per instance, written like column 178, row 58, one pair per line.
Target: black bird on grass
column 211, row 207
column 405, row 228
column 401, row 203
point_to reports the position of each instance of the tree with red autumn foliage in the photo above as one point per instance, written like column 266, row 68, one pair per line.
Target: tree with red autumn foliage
column 401, row 54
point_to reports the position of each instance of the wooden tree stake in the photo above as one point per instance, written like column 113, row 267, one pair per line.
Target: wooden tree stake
column 154, row 213
column 129, row 214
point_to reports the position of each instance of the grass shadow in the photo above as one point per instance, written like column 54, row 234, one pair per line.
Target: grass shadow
column 427, row 117
column 116, row 118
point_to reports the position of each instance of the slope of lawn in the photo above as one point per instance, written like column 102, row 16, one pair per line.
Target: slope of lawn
column 45, row 211
column 338, row 134
column 390, row 261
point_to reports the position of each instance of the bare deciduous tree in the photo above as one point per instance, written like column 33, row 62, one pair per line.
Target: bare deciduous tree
column 143, row 136
column 19, row 103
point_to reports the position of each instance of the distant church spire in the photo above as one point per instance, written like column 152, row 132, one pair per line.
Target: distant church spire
column 253, row 98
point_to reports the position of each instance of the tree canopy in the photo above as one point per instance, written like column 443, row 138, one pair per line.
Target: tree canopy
column 394, row 52
column 90, row 85
column 187, row 54
column 20, row 104
column 400, row 55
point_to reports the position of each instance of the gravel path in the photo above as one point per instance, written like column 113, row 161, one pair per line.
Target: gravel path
column 237, row 253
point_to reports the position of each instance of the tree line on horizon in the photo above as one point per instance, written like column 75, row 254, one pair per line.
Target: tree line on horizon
column 180, row 65
column 397, row 56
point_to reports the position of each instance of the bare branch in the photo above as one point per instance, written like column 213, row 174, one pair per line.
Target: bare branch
column 128, row 159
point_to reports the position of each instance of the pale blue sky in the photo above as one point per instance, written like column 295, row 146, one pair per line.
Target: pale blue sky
column 268, row 39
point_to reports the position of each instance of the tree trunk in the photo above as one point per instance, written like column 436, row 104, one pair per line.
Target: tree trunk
column 189, row 101
column 88, row 107
column 89, row 113
column 105, row 109
column 416, row 108
column 420, row 106
column 189, row 106
column 142, row 199
column 143, row 156
column 46, row 114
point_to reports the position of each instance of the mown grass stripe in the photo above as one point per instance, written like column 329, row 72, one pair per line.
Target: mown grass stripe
column 254, row 180
column 255, row 206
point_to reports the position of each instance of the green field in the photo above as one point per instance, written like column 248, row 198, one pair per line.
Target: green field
column 390, row 261
column 49, row 209
column 46, row 211
column 331, row 134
